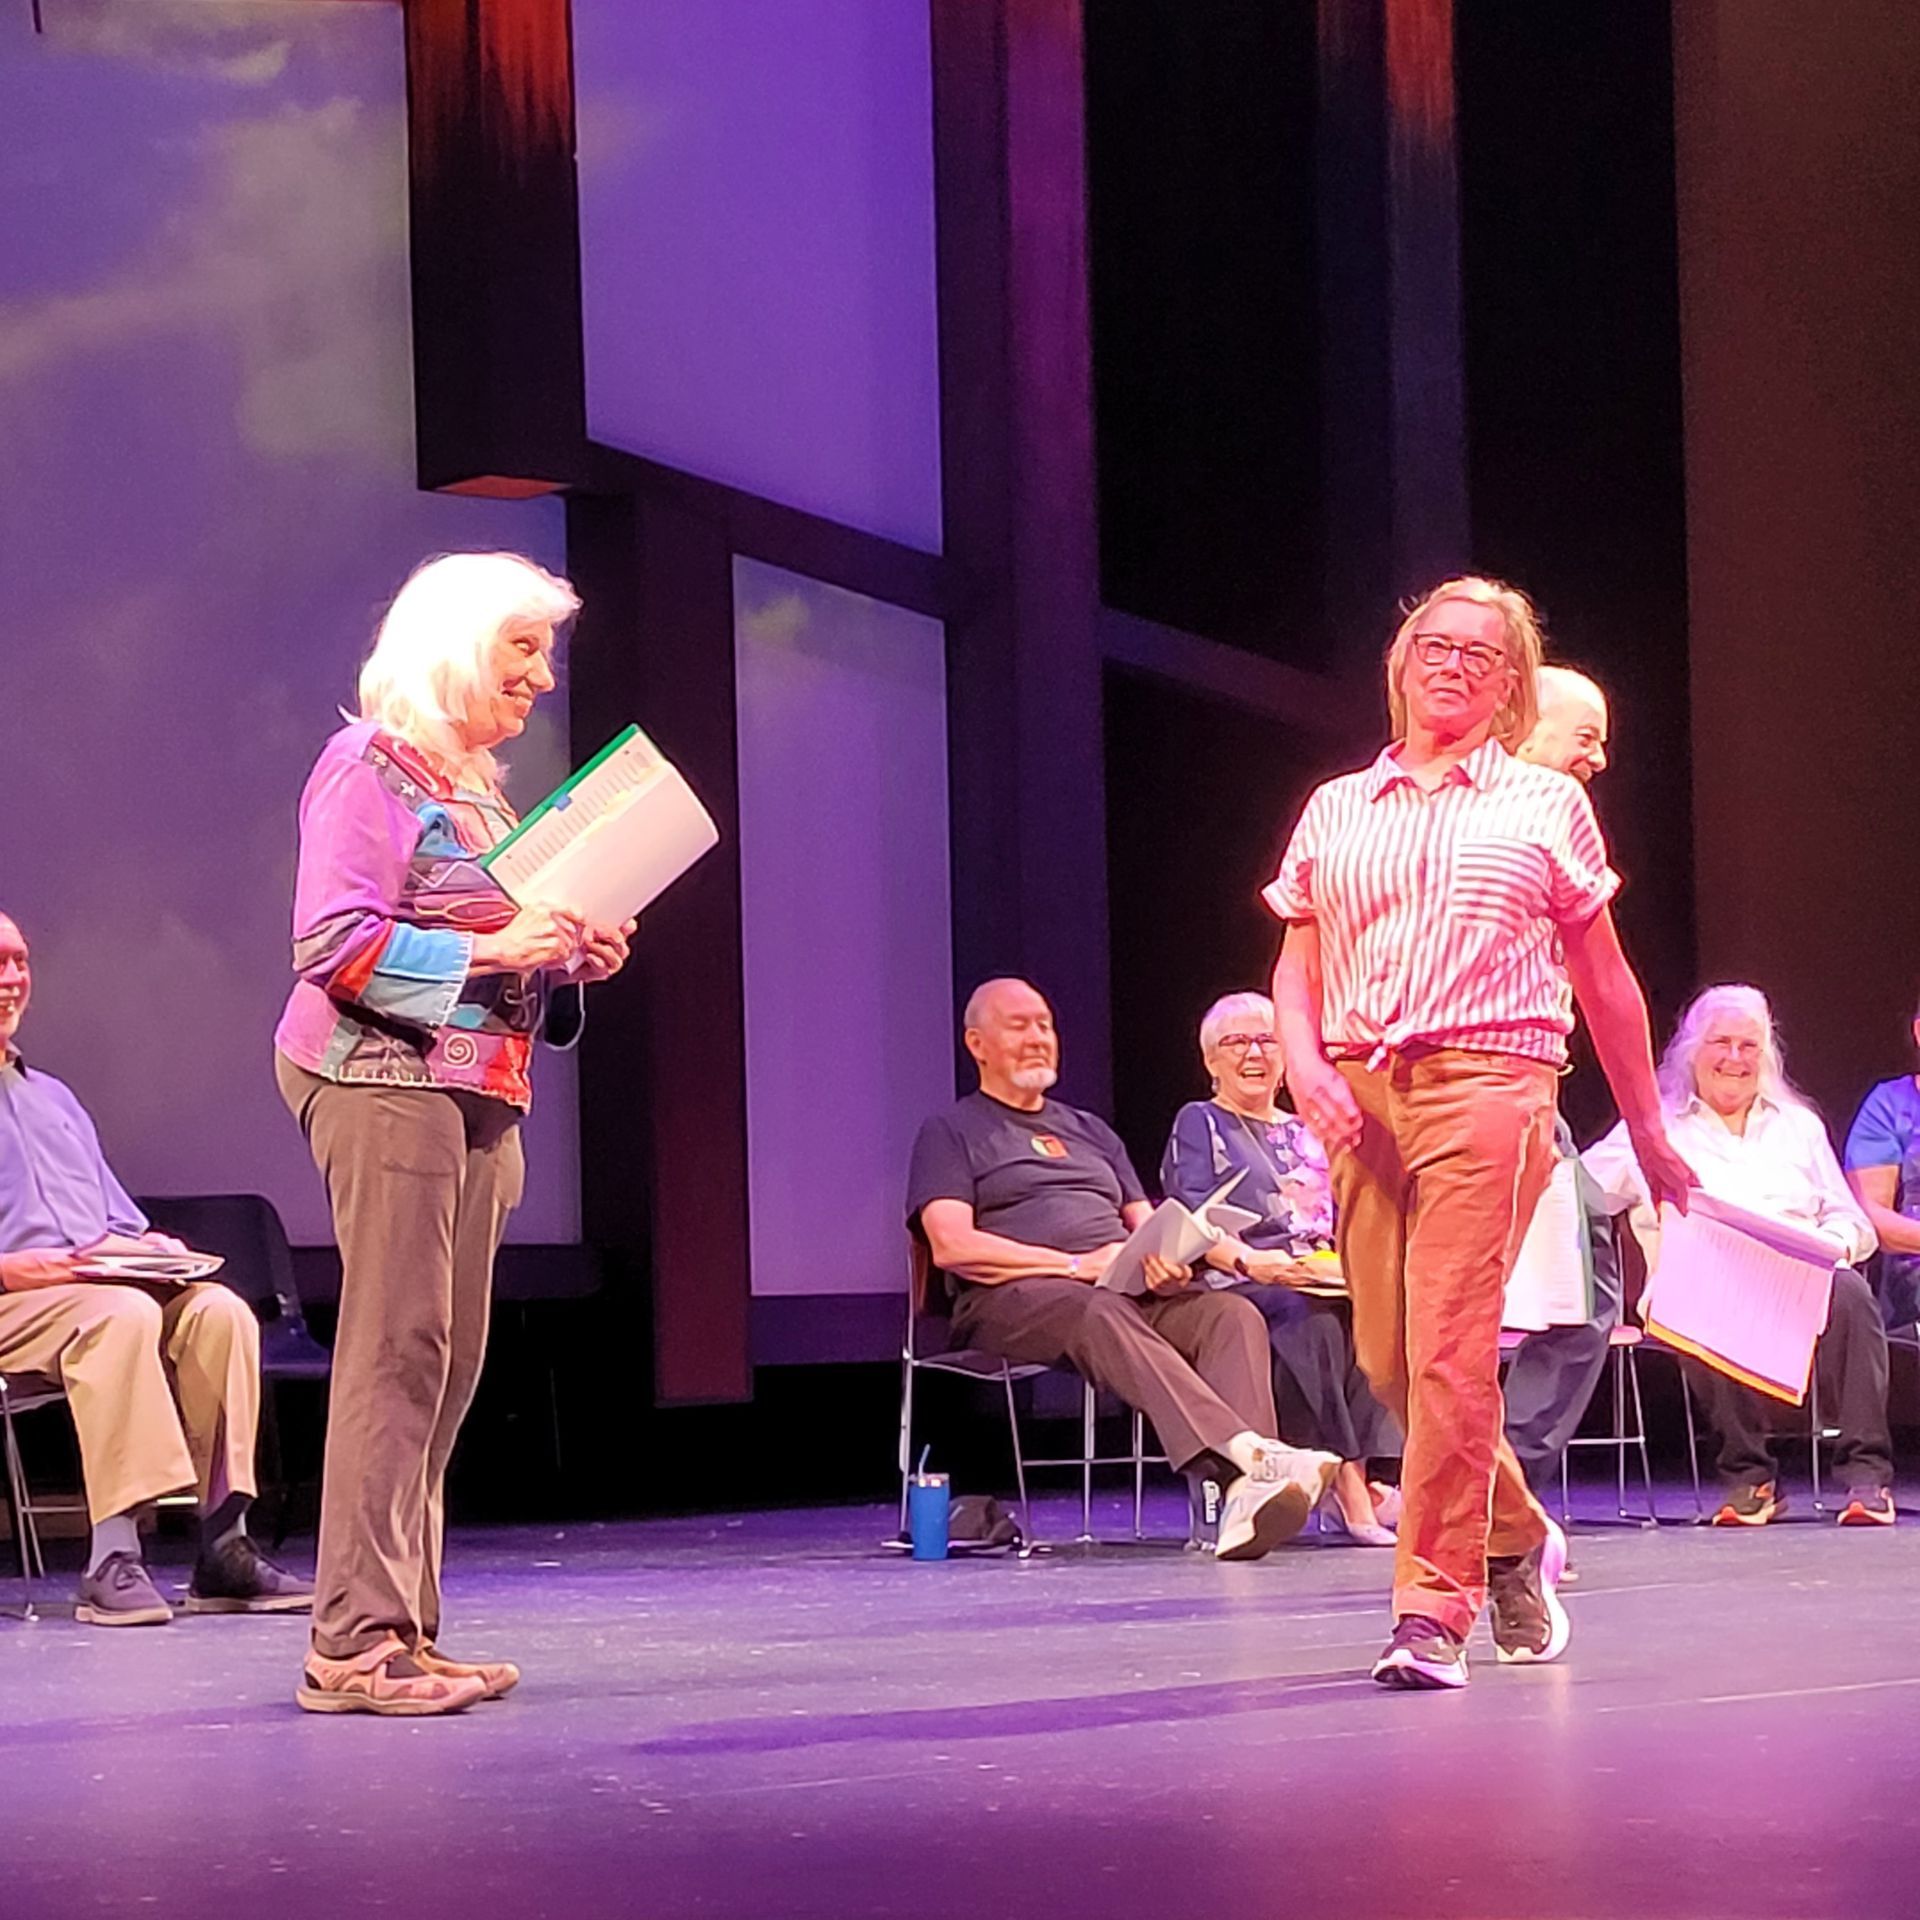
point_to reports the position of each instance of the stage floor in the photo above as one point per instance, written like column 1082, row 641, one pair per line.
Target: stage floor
column 766, row 1716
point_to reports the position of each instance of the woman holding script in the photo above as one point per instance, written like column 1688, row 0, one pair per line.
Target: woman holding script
column 1322, row 1397
column 1759, row 1145
column 404, row 1053
column 1440, row 903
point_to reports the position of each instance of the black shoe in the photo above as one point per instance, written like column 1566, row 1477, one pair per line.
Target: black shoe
column 120, row 1593
column 1750, row 1506
column 236, row 1577
column 1529, row 1623
column 1422, row 1654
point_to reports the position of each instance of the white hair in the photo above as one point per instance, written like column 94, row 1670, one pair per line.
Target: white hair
column 1255, row 1008
column 1747, row 1003
column 429, row 658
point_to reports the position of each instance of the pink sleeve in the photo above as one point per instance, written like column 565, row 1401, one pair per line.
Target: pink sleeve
column 1289, row 894
column 1581, row 882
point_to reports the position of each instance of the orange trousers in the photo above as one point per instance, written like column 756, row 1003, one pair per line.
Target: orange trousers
column 1433, row 1202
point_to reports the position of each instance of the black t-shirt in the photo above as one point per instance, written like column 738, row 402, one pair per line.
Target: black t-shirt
column 1053, row 1178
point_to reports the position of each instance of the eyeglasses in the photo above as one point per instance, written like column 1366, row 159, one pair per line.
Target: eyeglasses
column 1476, row 662
column 1246, row 1042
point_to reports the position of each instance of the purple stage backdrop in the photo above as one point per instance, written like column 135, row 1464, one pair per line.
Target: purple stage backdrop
column 205, row 493
column 756, row 211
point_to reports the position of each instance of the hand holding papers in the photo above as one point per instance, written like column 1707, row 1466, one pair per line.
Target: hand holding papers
column 1175, row 1233
column 610, row 841
column 168, row 1269
column 1746, row 1294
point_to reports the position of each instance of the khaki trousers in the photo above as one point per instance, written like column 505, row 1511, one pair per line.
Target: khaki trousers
column 1432, row 1204
column 164, row 1387
column 420, row 1180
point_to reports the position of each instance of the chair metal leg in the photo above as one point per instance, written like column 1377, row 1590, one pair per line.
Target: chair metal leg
column 1089, row 1427
column 1566, row 1497
column 1139, row 1472
column 26, row 1541
column 1693, row 1443
column 1620, row 1431
column 1640, row 1432
column 906, row 1434
column 1813, row 1447
column 1019, row 1460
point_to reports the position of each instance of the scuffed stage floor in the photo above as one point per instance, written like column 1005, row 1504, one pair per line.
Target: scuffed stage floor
column 768, row 1717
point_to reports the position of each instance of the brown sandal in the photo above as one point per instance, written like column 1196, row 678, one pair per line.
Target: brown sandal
column 497, row 1676
column 385, row 1679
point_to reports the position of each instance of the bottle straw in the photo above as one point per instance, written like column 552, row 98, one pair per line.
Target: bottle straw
column 920, row 1472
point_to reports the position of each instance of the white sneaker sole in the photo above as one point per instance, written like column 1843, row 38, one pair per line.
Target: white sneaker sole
column 1553, row 1563
column 89, row 1616
column 1402, row 1668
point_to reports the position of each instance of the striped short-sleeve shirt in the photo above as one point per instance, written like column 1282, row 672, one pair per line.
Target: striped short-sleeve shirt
column 1439, row 913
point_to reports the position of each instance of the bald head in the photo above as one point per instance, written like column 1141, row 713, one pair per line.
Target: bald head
column 1571, row 732
column 1008, row 1028
column 16, row 980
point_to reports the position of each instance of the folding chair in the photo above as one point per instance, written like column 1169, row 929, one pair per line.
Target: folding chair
column 22, row 1393
column 928, row 1347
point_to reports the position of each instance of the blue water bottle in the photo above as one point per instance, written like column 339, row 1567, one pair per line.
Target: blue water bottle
column 928, row 1498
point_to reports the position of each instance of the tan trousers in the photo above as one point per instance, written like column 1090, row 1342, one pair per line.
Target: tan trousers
column 421, row 1181
column 164, row 1388
column 1432, row 1205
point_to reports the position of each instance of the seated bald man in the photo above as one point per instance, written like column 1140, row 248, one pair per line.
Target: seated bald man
column 1024, row 1201
column 164, row 1385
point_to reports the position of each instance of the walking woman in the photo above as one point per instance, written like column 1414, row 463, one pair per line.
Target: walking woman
column 404, row 1053
column 1445, row 907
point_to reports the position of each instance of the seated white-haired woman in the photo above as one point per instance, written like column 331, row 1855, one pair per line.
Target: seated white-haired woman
column 1757, row 1143
column 404, row 1052
column 1321, row 1395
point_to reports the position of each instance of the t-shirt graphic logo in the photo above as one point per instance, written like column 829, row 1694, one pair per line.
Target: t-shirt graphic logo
column 1049, row 1147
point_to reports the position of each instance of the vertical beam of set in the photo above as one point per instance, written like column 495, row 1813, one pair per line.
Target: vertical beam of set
column 1024, row 685
column 663, row 1137
column 498, row 367
column 1393, row 359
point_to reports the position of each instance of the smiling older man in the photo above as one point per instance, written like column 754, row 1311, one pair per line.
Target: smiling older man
column 164, row 1387
column 1024, row 1201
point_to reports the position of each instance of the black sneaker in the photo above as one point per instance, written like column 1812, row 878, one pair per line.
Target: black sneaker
column 1422, row 1654
column 1529, row 1623
column 1867, row 1507
column 1750, row 1506
column 120, row 1593
column 236, row 1577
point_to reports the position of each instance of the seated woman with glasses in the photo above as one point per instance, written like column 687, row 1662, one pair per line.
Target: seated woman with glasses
column 1323, row 1399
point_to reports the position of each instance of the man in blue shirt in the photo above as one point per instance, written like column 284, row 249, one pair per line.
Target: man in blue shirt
column 1882, row 1162
column 163, row 1379
column 1024, row 1201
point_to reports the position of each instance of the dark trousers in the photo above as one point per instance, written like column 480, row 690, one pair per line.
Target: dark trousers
column 1195, row 1363
column 1551, row 1379
column 1850, row 1365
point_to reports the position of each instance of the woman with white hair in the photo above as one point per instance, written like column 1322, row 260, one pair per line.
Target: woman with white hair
column 404, row 1052
column 1445, row 905
column 1756, row 1142
column 1280, row 1174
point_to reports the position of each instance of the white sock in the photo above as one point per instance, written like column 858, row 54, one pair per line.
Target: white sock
column 116, row 1534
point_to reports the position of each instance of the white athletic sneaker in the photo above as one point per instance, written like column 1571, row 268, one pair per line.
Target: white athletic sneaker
column 1270, row 1503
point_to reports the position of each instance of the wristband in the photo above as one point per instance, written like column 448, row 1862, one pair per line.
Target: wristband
column 1241, row 1268
column 1073, row 1266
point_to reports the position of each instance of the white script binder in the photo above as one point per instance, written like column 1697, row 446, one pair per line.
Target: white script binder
column 611, row 840
column 1747, row 1294
column 1551, row 1284
column 1177, row 1233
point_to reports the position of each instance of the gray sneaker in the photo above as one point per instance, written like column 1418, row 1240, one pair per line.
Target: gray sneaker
column 120, row 1593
